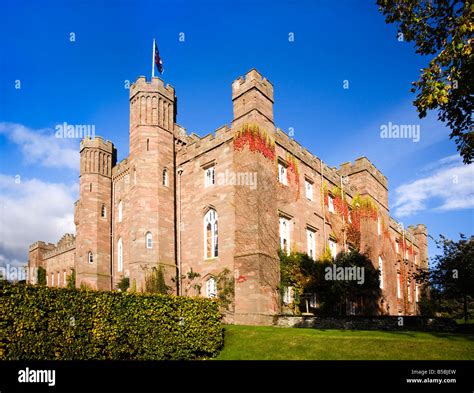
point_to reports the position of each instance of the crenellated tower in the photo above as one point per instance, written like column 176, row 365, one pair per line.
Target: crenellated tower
column 152, row 170
column 252, row 99
column 93, row 214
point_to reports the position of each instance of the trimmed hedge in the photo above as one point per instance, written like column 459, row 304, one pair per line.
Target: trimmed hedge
column 40, row 323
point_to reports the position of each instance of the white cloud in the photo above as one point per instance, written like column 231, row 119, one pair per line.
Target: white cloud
column 449, row 187
column 33, row 210
column 41, row 146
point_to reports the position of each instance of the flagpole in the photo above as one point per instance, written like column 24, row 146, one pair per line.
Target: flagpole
column 153, row 61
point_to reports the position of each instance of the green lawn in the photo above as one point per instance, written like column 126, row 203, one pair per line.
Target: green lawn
column 273, row 343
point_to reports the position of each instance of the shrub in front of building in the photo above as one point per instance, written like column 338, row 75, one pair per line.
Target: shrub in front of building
column 41, row 323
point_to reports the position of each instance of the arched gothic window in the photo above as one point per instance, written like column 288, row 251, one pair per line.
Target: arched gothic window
column 210, row 234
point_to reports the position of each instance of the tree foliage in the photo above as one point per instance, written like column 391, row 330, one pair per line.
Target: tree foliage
column 307, row 276
column 41, row 276
column 444, row 30
column 155, row 281
column 453, row 272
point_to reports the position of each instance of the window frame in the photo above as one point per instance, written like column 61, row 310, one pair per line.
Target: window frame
column 381, row 277
column 211, row 294
column 333, row 251
column 282, row 221
column 308, row 187
column 211, row 218
column 149, row 240
column 282, row 177
column 311, row 243
column 209, row 180
column 120, row 255
column 90, row 257
column 331, row 204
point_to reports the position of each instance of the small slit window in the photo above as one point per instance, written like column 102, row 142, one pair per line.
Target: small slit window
column 149, row 240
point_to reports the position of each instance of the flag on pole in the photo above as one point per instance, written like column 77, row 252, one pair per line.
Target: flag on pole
column 157, row 58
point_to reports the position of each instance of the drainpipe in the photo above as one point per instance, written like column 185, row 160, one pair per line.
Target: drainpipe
column 324, row 208
column 180, row 171
column 112, row 237
column 343, row 218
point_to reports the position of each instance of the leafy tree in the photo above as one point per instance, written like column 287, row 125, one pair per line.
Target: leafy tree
column 155, row 281
column 453, row 272
column 444, row 30
column 225, row 289
column 307, row 276
column 123, row 284
column 71, row 280
column 336, row 293
column 41, row 276
column 188, row 283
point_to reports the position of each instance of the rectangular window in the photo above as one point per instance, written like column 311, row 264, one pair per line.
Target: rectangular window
column 349, row 216
column 399, row 295
column 333, row 248
column 311, row 243
column 282, row 175
column 288, row 295
column 313, row 301
column 417, row 295
column 330, row 204
column 209, row 176
column 409, row 292
column 381, row 272
column 52, row 279
column 397, row 249
column 59, row 279
column 285, row 235
column 308, row 189
column 379, row 226
column 416, row 262
column 64, row 278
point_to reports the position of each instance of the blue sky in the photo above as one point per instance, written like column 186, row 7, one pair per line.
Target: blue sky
column 82, row 82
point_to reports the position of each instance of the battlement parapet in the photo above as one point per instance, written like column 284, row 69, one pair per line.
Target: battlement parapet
column 121, row 169
column 156, row 85
column 198, row 145
column 98, row 143
column 180, row 133
column 61, row 248
column 311, row 160
column 407, row 232
column 252, row 79
column 41, row 244
column 363, row 164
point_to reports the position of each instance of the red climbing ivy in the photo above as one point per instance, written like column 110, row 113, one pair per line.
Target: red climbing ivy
column 292, row 169
column 256, row 139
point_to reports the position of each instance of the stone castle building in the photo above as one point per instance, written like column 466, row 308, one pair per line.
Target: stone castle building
column 225, row 203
